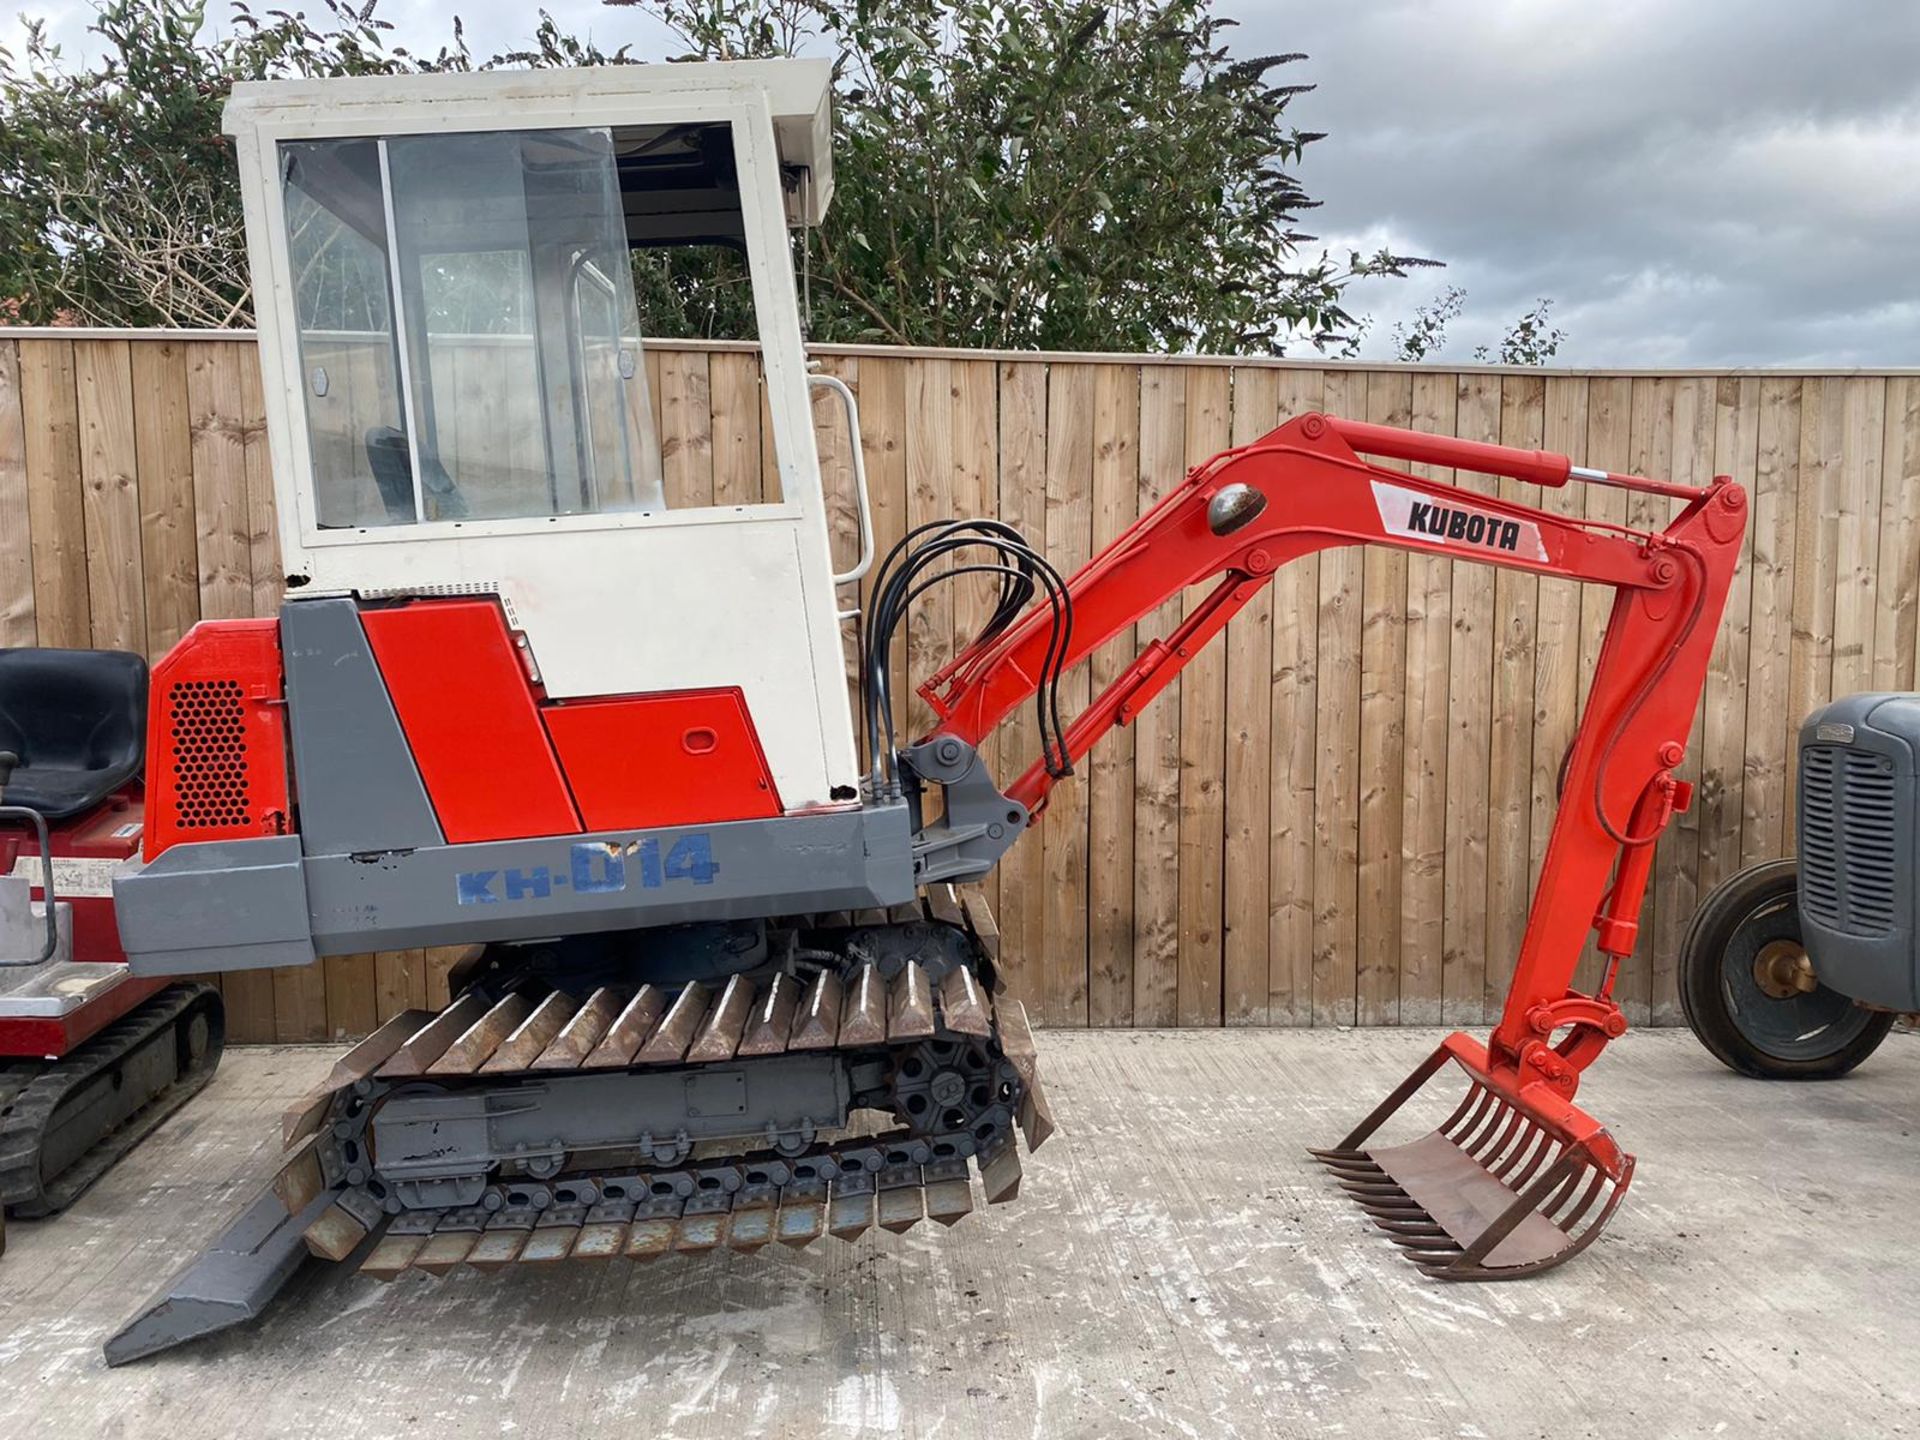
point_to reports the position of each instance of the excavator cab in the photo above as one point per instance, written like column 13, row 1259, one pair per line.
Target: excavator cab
column 450, row 274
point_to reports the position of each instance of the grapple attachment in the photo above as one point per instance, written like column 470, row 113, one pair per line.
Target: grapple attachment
column 1513, row 1182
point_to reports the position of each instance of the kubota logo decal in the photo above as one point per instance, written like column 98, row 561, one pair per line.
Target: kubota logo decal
column 1458, row 527
column 594, row 868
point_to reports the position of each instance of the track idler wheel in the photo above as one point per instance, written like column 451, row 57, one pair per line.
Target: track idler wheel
column 1508, row 1185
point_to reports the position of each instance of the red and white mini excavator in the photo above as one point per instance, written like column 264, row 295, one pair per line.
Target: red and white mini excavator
column 518, row 699
column 92, row 1057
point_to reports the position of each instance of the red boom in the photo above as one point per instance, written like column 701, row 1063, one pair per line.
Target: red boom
column 1310, row 491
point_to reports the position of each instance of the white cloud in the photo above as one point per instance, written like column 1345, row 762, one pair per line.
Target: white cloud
column 1725, row 181
column 1719, row 182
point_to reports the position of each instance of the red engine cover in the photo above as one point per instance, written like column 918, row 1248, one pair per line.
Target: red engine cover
column 217, row 737
column 675, row 758
column 470, row 717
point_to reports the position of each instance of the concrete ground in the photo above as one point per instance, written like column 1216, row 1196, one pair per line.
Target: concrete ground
column 1175, row 1266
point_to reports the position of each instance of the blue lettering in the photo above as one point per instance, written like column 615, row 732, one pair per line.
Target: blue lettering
column 594, row 868
column 522, row 884
column 692, row 859
column 598, row 870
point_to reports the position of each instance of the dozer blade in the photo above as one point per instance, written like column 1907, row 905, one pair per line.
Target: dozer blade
column 229, row 1283
column 1508, row 1185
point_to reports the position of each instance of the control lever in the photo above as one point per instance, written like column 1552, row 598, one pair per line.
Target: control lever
column 9, row 762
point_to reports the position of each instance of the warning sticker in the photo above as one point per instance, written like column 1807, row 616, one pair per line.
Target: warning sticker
column 72, row 879
column 1453, row 525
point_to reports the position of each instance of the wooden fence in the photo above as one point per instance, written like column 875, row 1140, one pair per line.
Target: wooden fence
column 1335, row 815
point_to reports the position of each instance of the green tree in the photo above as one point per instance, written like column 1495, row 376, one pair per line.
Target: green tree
column 1052, row 175
column 1426, row 334
column 1530, row 340
column 1015, row 173
column 119, row 203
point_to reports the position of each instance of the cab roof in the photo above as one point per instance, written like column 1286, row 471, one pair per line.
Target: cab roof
column 798, row 93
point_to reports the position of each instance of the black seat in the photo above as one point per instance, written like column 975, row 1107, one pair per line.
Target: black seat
column 78, row 721
column 391, row 460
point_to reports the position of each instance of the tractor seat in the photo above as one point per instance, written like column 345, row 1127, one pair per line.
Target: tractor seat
column 78, row 721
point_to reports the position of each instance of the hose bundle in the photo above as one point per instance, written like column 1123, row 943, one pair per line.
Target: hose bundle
column 967, row 547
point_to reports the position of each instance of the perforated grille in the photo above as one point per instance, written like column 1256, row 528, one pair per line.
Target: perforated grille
column 209, row 724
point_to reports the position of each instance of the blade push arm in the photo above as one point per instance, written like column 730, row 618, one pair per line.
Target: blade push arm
column 1303, row 488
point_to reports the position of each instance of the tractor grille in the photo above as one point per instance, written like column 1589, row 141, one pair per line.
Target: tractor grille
column 1848, row 824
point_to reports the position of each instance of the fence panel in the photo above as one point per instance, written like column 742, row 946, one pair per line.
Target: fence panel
column 1333, row 816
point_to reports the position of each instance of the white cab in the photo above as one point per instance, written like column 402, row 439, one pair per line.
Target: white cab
column 456, row 377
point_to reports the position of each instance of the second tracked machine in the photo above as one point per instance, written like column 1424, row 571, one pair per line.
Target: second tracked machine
column 726, row 983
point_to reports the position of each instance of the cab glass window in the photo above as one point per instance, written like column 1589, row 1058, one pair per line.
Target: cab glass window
column 349, row 354
column 471, row 306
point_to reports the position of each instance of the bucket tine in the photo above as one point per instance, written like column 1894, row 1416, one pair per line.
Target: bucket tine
column 1526, row 1158
column 1396, row 1232
column 1331, row 1156
column 1493, row 1134
column 1392, row 1209
column 1414, row 1229
column 1367, row 1187
column 1386, row 1197
column 1554, row 1202
column 1476, row 1095
column 1586, row 1201
column 1357, row 1168
column 1468, row 1123
column 1507, row 1185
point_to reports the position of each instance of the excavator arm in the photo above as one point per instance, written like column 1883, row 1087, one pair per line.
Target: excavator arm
column 1305, row 487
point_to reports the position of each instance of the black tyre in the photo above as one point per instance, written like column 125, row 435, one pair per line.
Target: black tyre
column 1750, row 993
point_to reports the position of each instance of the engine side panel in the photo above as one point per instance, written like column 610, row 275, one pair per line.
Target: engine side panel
column 216, row 737
column 357, row 784
column 471, row 718
column 674, row 759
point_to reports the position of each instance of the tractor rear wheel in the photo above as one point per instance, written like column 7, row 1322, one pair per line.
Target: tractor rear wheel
column 1750, row 991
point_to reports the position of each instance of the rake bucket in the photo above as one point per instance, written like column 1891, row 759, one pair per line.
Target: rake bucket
column 1515, row 1181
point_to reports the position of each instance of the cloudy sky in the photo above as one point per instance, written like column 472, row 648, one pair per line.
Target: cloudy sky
column 1696, row 182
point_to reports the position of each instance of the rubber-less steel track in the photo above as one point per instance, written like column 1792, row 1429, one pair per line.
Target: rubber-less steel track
column 929, row 1043
column 63, row 1123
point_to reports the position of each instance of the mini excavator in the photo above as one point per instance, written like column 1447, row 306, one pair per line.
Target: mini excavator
column 727, row 983
column 92, row 1057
